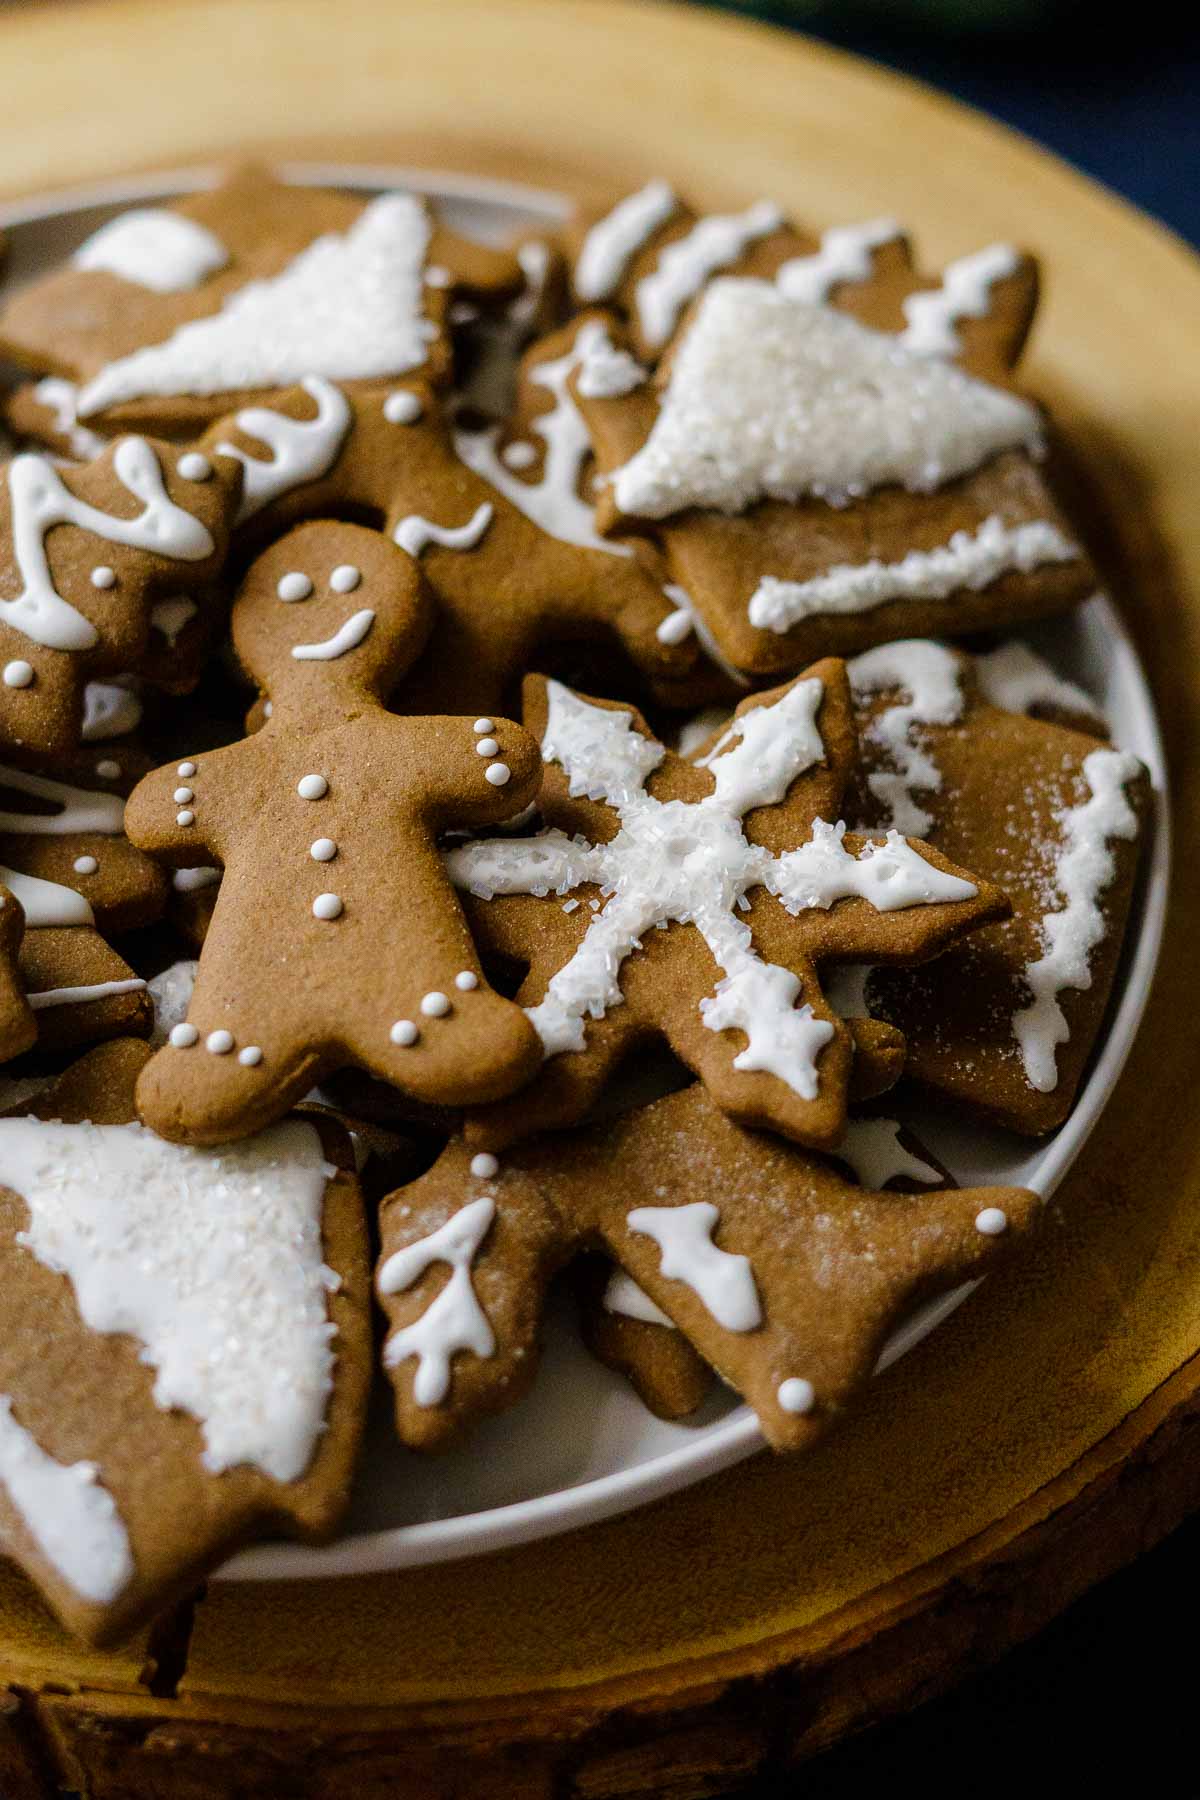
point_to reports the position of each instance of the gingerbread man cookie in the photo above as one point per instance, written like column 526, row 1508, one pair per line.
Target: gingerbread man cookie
column 335, row 937
column 18, row 1027
column 695, row 902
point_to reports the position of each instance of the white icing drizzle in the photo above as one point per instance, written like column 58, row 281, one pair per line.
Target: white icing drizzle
column 873, row 1149
column 1014, row 677
column 1084, row 868
column 454, row 1320
column 847, row 253
column 171, row 993
column 40, row 500
column 70, row 1516
column 350, row 306
column 928, row 674
column 613, row 241
column 80, row 809
column 971, row 561
column 154, row 248
column 60, row 399
column 189, row 881
column 553, row 503
column 79, row 996
column 722, row 1282
column 533, row 260
column 211, row 1259
column 685, row 265
column 170, row 617
column 677, row 626
column 46, row 902
column 623, row 1295
column 300, row 449
column 965, row 293
column 347, row 637
column 415, row 533
column 606, row 372
column 691, row 864
column 771, row 398
column 109, row 711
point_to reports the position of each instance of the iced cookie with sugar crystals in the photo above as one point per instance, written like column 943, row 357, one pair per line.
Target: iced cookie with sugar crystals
column 186, row 1351
column 336, row 937
column 786, row 1278
column 1006, row 1021
column 696, row 902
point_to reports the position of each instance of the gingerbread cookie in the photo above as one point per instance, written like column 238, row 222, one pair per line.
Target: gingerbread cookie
column 786, row 1278
column 696, row 902
column 85, row 555
column 324, row 823
column 18, row 1027
column 1006, row 1022
column 186, row 1351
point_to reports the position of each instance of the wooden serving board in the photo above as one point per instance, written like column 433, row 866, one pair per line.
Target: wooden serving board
column 1049, row 1431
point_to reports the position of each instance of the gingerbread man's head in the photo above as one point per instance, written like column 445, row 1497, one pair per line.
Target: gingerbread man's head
column 330, row 613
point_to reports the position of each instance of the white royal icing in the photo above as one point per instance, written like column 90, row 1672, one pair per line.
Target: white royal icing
column 188, row 881
column 613, row 241
column 1085, row 866
column 690, row 864
column 772, row 398
column 300, row 449
column 211, row 1259
column 350, row 306
column 79, row 996
column 552, row 503
column 965, row 293
column 78, row 808
column 847, row 253
column 454, row 1320
column 606, row 372
column 685, row 265
column 928, row 675
column 70, row 1516
column 170, row 617
column 415, row 533
column 109, row 711
column 971, row 561
column 1016, row 678
column 40, row 501
column 347, row 637
column 60, row 398
column 722, row 1282
column 154, row 248
column 171, row 993
column 46, row 903
column 623, row 1295
column 873, row 1149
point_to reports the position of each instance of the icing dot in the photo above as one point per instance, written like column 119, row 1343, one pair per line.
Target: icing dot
column 404, row 1032
column 435, row 1005
column 85, row 865
column 18, row 674
column 103, row 576
column 438, row 277
column 294, row 586
column 465, row 980
column 327, row 906
column 186, row 768
column 219, row 1042
column 183, row 795
column 312, row 787
column 482, row 725
column 194, row 467
column 487, row 747
column 345, row 578
column 796, row 1395
column 250, row 1057
column 107, row 769
column 498, row 774
column 401, row 408
column 183, row 1036
column 323, row 850
column 185, row 816
column 991, row 1221
column 485, row 1165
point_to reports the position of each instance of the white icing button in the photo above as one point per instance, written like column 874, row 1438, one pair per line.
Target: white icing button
column 185, row 816
column 404, row 1032
column 183, row 1036
column 487, row 747
column 18, row 674
column 482, row 725
column 294, row 586
column 323, row 850
column 401, row 408
column 312, row 787
column 796, row 1395
column 219, row 1042
column 327, row 906
column 183, row 795
column 485, row 1165
column 250, row 1057
column 498, row 774
column 186, row 768
column 465, row 980
column 345, row 578
column 991, row 1221
column 103, row 576
column 85, row 865
column 194, row 467
column 107, row 769
column 435, row 1005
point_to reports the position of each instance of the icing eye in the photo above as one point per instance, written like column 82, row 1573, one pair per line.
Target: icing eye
column 18, row 674
column 485, row 1165
column 294, row 586
column 345, row 578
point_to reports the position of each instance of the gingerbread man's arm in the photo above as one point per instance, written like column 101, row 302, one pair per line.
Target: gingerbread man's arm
column 176, row 812
column 473, row 773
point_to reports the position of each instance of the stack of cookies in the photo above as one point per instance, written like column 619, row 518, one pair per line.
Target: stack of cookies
column 313, row 957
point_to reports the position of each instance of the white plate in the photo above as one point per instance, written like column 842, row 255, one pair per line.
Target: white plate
column 581, row 1446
